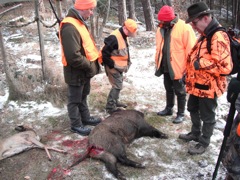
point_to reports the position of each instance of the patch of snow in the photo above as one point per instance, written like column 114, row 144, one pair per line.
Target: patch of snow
column 3, row 99
column 41, row 110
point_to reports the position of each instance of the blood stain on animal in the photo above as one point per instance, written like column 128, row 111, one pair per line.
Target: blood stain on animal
column 75, row 144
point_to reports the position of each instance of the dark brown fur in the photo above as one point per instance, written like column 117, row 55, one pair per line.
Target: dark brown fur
column 107, row 140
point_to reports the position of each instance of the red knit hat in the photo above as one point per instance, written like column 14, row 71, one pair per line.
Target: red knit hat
column 166, row 13
column 85, row 4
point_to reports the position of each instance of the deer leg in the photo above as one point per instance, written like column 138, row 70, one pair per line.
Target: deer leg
column 46, row 148
column 40, row 145
column 56, row 149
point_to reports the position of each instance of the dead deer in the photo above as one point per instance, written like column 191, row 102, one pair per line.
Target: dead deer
column 26, row 139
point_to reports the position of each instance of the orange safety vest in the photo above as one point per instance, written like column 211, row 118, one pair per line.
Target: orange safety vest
column 120, row 55
column 182, row 40
column 238, row 130
column 88, row 43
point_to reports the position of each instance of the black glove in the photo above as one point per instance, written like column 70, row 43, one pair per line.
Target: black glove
column 196, row 64
column 109, row 63
column 183, row 80
column 233, row 90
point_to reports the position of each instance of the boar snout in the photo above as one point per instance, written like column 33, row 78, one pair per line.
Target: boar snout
column 159, row 134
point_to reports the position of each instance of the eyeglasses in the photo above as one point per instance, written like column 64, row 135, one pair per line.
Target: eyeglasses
column 195, row 22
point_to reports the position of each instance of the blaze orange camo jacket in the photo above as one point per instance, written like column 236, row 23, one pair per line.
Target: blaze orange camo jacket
column 210, row 79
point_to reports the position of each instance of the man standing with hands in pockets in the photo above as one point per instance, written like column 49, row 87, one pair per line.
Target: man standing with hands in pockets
column 80, row 62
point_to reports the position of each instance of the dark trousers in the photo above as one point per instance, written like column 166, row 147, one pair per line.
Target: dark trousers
column 116, row 80
column 77, row 103
column 175, row 87
column 202, row 112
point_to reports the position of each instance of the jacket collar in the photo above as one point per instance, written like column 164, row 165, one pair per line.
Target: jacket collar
column 123, row 34
column 75, row 14
column 175, row 20
column 212, row 26
column 171, row 23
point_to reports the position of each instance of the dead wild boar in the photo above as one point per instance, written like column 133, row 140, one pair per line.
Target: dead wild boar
column 107, row 140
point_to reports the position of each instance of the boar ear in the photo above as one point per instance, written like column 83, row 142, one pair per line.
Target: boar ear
column 20, row 128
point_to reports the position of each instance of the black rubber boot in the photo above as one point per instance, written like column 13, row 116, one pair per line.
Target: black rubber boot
column 166, row 112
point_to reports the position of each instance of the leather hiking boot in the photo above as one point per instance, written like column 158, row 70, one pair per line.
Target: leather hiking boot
column 92, row 121
column 165, row 112
column 81, row 130
column 178, row 119
column 197, row 149
column 189, row 137
column 119, row 104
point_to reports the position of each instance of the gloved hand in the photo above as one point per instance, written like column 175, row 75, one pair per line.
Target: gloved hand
column 196, row 64
column 110, row 64
column 233, row 90
column 94, row 69
column 183, row 80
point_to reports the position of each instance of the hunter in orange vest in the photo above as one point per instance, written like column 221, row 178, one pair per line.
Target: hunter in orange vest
column 88, row 43
column 174, row 41
column 116, row 60
column 79, row 58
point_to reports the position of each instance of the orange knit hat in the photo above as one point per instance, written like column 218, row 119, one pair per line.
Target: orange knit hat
column 85, row 4
column 131, row 25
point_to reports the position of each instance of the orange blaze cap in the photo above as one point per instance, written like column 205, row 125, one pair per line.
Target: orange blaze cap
column 131, row 25
column 85, row 4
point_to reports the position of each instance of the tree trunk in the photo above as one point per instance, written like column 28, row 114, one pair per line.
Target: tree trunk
column 41, row 44
column 93, row 27
column 14, row 94
column 168, row 2
column 211, row 4
column 238, row 15
column 148, row 15
column 105, row 18
column 3, row 53
column 233, row 12
column 59, row 9
column 236, row 5
column 122, row 12
column 227, row 12
column 220, row 8
column 131, row 9
column 157, row 6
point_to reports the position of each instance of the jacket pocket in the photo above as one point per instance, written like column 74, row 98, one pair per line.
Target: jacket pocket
column 94, row 69
column 201, row 86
